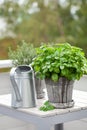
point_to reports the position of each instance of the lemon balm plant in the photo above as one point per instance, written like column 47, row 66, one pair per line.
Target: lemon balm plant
column 54, row 61
column 60, row 65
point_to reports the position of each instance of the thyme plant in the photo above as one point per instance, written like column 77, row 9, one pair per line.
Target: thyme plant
column 23, row 54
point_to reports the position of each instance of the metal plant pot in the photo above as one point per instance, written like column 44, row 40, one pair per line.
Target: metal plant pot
column 40, row 85
column 60, row 93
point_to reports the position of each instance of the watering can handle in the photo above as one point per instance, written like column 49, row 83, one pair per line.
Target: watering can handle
column 16, row 89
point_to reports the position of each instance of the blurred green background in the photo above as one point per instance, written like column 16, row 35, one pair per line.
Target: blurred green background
column 36, row 21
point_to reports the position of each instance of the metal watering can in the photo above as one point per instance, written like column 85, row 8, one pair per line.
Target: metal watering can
column 23, row 87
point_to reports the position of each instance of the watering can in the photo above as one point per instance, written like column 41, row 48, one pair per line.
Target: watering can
column 23, row 87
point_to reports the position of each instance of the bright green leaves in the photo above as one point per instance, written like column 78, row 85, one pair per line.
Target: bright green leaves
column 61, row 67
column 54, row 61
column 47, row 106
column 54, row 77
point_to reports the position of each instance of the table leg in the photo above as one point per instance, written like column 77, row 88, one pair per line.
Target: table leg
column 43, row 127
column 58, row 126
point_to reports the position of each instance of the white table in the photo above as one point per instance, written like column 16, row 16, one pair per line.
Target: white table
column 44, row 120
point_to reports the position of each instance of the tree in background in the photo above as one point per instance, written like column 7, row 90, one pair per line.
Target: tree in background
column 39, row 21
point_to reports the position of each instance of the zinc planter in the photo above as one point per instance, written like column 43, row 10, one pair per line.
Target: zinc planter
column 60, row 93
column 40, row 85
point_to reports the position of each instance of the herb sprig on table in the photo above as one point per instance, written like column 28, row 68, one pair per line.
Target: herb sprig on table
column 47, row 106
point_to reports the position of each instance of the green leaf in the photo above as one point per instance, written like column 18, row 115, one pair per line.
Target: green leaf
column 61, row 67
column 47, row 106
column 50, row 69
column 54, row 77
column 56, row 70
column 37, row 68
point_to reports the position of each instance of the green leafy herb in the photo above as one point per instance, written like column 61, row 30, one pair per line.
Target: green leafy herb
column 54, row 77
column 47, row 106
column 60, row 60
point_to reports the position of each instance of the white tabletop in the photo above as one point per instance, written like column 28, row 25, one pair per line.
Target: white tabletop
column 79, row 97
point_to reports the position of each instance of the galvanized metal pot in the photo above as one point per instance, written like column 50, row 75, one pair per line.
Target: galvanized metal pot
column 60, row 93
column 40, row 86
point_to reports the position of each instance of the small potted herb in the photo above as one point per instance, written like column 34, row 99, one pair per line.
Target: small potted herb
column 60, row 65
column 23, row 55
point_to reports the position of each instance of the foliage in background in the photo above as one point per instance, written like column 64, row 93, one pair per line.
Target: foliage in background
column 4, row 44
column 36, row 22
column 23, row 54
